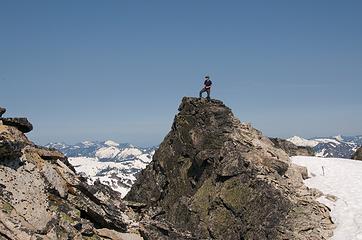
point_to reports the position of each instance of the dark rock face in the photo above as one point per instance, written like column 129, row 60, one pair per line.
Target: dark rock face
column 215, row 178
column 41, row 197
column 20, row 123
column 2, row 111
column 358, row 154
column 292, row 149
column 10, row 151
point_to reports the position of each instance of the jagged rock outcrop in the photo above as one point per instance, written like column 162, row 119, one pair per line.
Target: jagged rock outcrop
column 216, row 178
column 292, row 149
column 2, row 111
column 358, row 154
column 22, row 124
column 41, row 196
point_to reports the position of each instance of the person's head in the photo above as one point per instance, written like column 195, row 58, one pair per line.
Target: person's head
column 207, row 77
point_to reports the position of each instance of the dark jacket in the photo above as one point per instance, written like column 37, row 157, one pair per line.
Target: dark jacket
column 208, row 83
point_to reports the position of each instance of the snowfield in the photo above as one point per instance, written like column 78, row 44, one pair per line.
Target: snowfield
column 343, row 179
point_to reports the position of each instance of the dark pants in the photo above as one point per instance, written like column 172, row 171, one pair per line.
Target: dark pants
column 205, row 90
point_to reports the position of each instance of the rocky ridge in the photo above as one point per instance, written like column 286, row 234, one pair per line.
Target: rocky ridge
column 41, row 196
column 211, row 178
column 216, row 178
column 292, row 149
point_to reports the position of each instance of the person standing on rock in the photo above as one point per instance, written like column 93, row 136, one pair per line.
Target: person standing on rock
column 207, row 88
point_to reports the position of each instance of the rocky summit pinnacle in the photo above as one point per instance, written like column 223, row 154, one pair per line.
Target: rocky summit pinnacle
column 214, row 177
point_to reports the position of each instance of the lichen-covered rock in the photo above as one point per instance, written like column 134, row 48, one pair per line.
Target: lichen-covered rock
column 292, row 149
column 41, row 196
column 216, row 178
column 22, row 124
column 358, row 154
column 10, row 150
column 11, row 144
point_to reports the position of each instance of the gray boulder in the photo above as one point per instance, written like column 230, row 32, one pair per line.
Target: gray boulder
column 41, row 197
column 358, row 154
column 10, row 150
column 20, row 123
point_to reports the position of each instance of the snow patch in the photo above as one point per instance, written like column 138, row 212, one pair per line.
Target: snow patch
column 87, row 143
column 339, row 138
column 341, row 178
column 302, row 142
column 111, row 143
column 321, row 153
column 107, row 152
column 127, row 152
column 327, row 140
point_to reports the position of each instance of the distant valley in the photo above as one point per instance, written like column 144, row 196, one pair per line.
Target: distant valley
column 112, row 163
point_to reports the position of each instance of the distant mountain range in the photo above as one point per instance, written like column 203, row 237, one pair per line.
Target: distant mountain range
column 112, row 163
column 116, row 164
column 337, row 146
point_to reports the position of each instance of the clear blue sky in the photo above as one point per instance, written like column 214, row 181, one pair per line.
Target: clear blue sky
column 118, row 69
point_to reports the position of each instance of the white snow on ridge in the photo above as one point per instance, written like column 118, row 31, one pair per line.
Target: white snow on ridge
column 107, row 152
column 87, row 143
column 116, row 175
column 113, row 167
column 85, row 165
column 130, row 152
column 339, row 138
column 327, row 140
column 299, row 141
column 341, row 178
column 113, row 183
column 111, row 143
column 321, row 153
column 146, row 157
column 302, row 142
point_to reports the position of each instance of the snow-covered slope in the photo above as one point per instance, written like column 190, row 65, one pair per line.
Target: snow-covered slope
column 302, row 142
column 112, row 163
column 341, row 178
column 337, row 146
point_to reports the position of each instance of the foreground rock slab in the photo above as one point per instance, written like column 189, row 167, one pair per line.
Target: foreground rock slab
column 41, row 197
